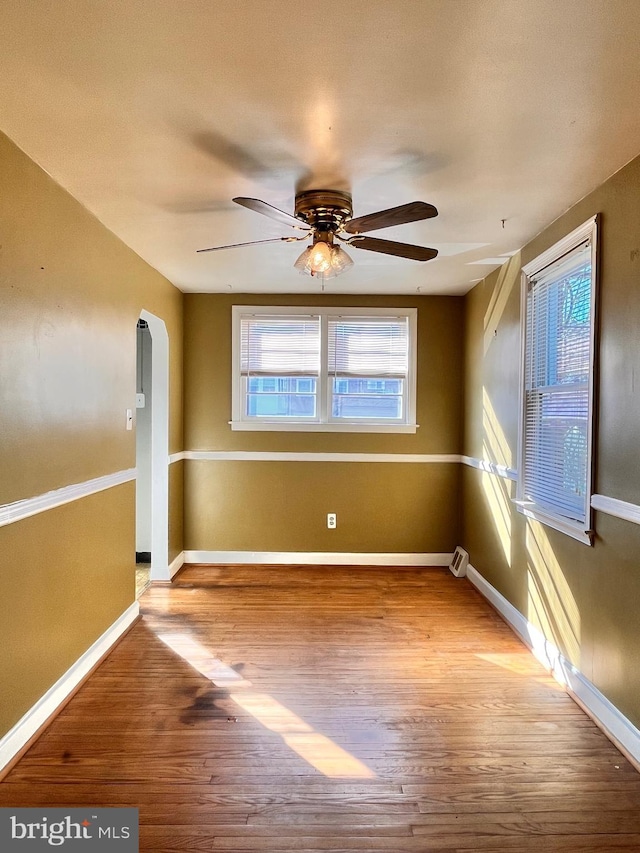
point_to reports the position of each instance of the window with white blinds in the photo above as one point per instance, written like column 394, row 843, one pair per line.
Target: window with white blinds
column 329, row 369
column 368, row 366
column 279, row 366
column 556, row 434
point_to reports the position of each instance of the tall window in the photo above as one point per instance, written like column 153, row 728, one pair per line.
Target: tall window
column 341, row 369
column 557, row 392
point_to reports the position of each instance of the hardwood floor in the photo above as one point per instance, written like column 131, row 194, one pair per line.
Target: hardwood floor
column 143, row 577
column 332, row 709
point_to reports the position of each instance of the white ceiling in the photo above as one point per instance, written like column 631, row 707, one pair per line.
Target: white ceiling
column 155, row 113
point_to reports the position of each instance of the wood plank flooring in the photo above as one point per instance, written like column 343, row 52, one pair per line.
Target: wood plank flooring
column 332, row 709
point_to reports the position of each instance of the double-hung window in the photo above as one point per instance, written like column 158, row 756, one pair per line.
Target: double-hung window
column 330, row 369
column 558, row 327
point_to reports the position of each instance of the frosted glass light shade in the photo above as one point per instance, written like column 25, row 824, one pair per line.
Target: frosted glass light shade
column 320, row 257
column 339, row 261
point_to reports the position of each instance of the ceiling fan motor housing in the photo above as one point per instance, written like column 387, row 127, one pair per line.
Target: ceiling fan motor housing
column 325, row 213
column 324, row 210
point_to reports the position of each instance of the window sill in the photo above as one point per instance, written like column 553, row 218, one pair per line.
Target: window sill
column 297, row 426
column 563, row 525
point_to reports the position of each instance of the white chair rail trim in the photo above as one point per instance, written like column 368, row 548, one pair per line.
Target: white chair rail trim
column 613, row 506
column 490, row 467
column 19, row 510
column 286, row 456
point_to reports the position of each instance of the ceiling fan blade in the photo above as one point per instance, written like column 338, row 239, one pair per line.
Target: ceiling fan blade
column 272, row 212
column 411, row 212
column 253, row 243
column 390, row 247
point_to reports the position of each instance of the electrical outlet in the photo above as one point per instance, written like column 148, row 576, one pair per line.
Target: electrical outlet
column 332, row 521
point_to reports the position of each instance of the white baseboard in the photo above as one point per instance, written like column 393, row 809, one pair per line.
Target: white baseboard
column 164, row 573
column 25, row 729
column 310, row 558
column 604, row 713
column 176, row 564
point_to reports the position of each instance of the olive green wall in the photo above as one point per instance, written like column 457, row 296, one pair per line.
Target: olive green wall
column 66, row 576
column 71, row 294
column 282, row 506
column 586, row 599
column 176, row 509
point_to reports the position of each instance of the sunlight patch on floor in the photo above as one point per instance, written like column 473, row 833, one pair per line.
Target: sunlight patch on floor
column 521, row 664
column 316, row 749
column 327, row 757
column 273, row 715
column 201, row 659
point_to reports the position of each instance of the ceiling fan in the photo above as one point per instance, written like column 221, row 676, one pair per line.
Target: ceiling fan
column 325, row 216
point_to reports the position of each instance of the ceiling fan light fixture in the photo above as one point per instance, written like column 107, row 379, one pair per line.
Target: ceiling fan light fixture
column 320, row 257
column 340, row 261
column 314, row 263
column 303, row 263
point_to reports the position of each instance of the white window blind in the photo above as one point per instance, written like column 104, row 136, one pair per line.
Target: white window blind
column 557, row 386
column 280, row 346
column 368, row 346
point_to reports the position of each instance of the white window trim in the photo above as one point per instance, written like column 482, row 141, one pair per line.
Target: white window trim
column 237, row 423
column 582, row 532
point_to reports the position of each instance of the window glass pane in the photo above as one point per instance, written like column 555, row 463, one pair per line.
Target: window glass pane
column 574, row 334
column 281, row 397
column 379, row 399
column 560, row 332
